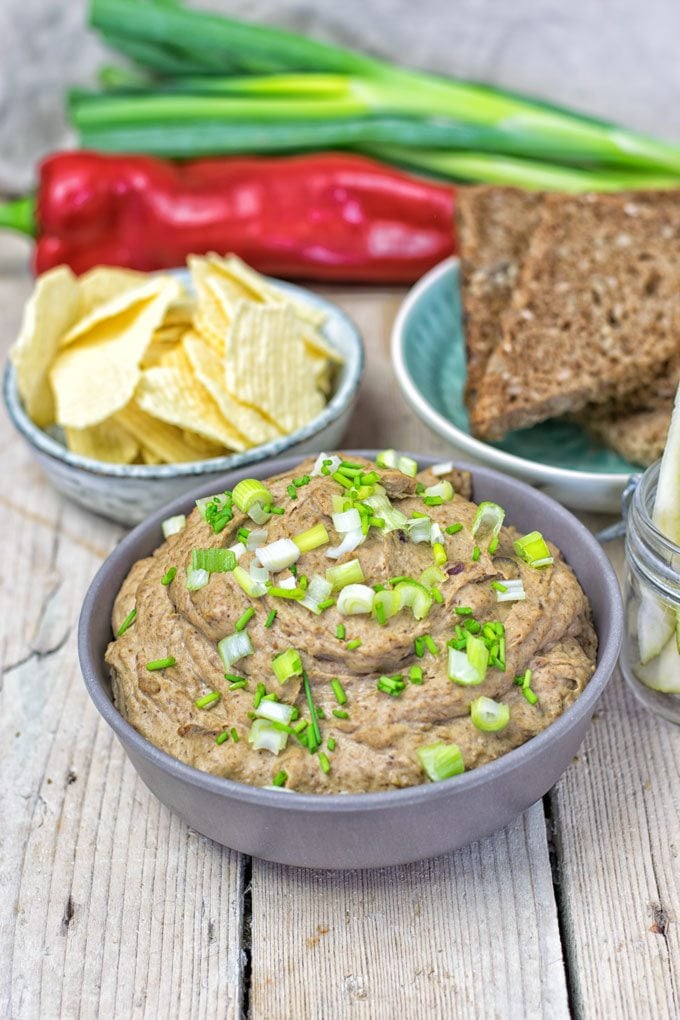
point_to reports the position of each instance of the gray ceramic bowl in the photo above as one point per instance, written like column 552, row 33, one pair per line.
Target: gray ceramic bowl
column 127, row 493
column 372, row 829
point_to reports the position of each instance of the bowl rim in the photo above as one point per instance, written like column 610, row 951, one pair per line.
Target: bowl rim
column 540, row 473
column 96, row 680
column 334, row 409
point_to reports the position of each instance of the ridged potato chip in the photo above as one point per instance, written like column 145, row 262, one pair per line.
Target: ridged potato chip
column 209, row 369
column 103, row 283
column 118, row 305
column 266, row 365
column 175, row 395
column 108, row 441
column 161, row 443
column 258, row 288
column 97, row 376
column 49, row 312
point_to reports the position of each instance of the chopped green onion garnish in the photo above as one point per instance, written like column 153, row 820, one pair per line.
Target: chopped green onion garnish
column 237, row 685
column 430, row 644
column 440, row 760
column 488, row 715
column 453, row 529
column 324, row 762
column 440, row 556
column 416, row 596
column 530, row 695
column 292, row 491
column 469, row 667
column 278, row 510
column 419, row 647
column 420, row 489
column 173, row 525
column 234, row 734
column 300, row 725
column 260, row 692
column 215, row 561
column 340, row 713
column 415, row 675
column 340, row 632
column 351, row 645
column 242, row 535
column 476, row 552
column 312, row 539
column 487, row 523
column 253, row 589
column 326, row 604
column 339, row 692
column 216, row 510
column 287, row 664
column 222, row 737
column 437, row 595
column 286, row 593
column 161, row 663
column 245, row 619
column 249, row 492
column 312, row 710
column 432, row 500
column 497, row 586
column 344, row 574
column 472, row 626
column 280, row 778
column 196, row 579
column 442, row 490
column 330, row 743
column 208, row 700
column 493, row 545
column 270, row 618
column 169, row 576
column 463, row 610
column 342, row 480
column 127, row 622
column 234, row 647
column 355, row 599
column 392, row 685
column 533, row 549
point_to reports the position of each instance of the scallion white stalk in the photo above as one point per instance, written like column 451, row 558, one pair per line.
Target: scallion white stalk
column 468, row 666
column 234, row 647
column 253, row 588
column 355, row 599
column 514, row 591
column 197, row 579
column 173, row 525
column 275, row 711
column 278, row 555
column 265, row 736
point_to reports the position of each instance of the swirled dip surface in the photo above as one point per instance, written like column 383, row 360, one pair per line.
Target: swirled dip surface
column 375, row 747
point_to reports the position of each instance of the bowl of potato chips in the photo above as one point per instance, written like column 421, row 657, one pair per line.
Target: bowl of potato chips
column 129, row 387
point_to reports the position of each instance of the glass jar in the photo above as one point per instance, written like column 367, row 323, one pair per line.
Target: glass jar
column 650, row 657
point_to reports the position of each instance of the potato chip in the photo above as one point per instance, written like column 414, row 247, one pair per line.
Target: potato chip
column 180, row 313
column 316, row 345
column 266, row 365
column 97, row 376
column 209, row 369
column 108, row 441
column 170, row 334
column 155, row 353
column 161, row 443
column 175, row 395
column 119, row 304
column 259, row 288
column 103, row 283
column 49, row 312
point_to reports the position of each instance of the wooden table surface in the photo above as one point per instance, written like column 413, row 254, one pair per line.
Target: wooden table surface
column 112, row 907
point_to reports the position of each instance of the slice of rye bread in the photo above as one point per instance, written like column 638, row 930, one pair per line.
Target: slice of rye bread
column 639, row 436
column 493, row 226
column 595, row 313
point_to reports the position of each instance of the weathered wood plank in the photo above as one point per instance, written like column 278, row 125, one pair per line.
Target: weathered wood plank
column 471, row 934
column 617, row 811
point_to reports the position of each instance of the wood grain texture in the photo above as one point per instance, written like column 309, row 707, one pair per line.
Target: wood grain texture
column 468, row 935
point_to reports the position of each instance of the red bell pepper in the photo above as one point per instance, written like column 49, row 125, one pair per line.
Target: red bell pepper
column 333, row 216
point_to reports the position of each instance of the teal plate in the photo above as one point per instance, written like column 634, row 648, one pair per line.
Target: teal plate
column 428, row 351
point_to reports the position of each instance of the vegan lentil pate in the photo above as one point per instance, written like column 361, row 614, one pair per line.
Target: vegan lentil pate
column 348, row 627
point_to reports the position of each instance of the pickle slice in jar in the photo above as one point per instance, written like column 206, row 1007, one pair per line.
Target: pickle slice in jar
column 662, row 673
column 655, row 625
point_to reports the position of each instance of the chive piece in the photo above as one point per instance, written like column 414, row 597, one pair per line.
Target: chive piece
column 312, row 709
column 420, row 488
column 476, row 552
column 161, row 663
column 280, row 778
column 127, row 622
column 369, row 478
column 497, row 586
column 299, row 482
column 292, row 491
column 234, row 734
column 345, row 482
column 351, row 645
column 493, row 545
column 276, row 510
column 437, row 595
column 326, row 604
column 340, row 632
column 169, row 575
column 340, row 713
column 299, row 726
column 339, row 691
column 430, row 644
column 293, row 569
column 530, row 695
column 330, row 743
column 376, row 522
column 260, row 692
column 415, row 675
column 242, row 535
column 222, row 737
column 270, row 618
column 208, row 700
column 320, row 712
column 244, row 620
column 419, row 647
column 472, row 626
column 351, row 464
column 233, row 678
column 463, row 610
column 433, row 500
column 380, row 614
column 379, row 587
column 399, row 579
column 238, row 685
column 453, row 529
column 324, row 763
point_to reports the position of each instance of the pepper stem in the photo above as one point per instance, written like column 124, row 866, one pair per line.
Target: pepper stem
column 20, row 214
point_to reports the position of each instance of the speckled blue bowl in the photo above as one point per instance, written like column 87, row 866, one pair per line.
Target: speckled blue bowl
column 128, row 493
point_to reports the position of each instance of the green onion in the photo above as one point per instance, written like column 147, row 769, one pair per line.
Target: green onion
column 215, row 561
column 326, row 604
column 222, row 737
column 161, row 663
column 270, row 618
column 173, row 525
column 237, row 685
column 432, row 500
column 274, row 711
column 442, row 490
column 208, row 700
column 533, row 549
column 234, row 734
column 530, row 695
column 498, row 586
column 280, row 778
column 253, row 589
column 488, row 715
column 342, row 480
column 216, row 510
column 419, row 647
column 278, row 555
column 245, row 619
column 469, row 667
column 339, row 691
column 430, row 644
column 355, row 598
column 260, row 692
column 487, row 523
column 249, row 492
column 344, row 574
column 415, row 675
column 440, row 556
column 286, row 593
column 287, row 664
column 312, row 538
column 269, row 509
column 312, row 710
column 417, row 597
column 127, row 622
column 472, row 626
column 330, row 743
column 340, row 713
column 299, row 726
column 324, row 762
column 511, row 591
column 441, row 761
column 169, row 576
column 453, row 529
column 392, row 685
column 242, row 535
column 463, row 610
column 196, row 579
column 476, row 552
column 234, row 647
column 352, row 645
column 292, row 491
column 266, row 735
column 340, row 632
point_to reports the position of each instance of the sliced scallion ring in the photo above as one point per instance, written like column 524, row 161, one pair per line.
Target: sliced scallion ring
column 249, row 492
column 278, row 555
column 275, row 711
column 441, row 761
column 416, row 596
column 442, row 489
column 234, row 647
column 391, row 459
column 354, row 599
column 345, row 573
column 488, row 715
column 468, row 666
column 215, row 561
column 442, row 469
column 325, row 465
column 533, row 549
column 256, row 538
column 253, row 588
column 394, row 519
column 317, row 592
column 419, row 529
column 487, row 523
column 312, row 538
column 265, row 735
column 287, row 664
column 173, row 525
column 514, row 591
column 348, row 520
column 196, row 579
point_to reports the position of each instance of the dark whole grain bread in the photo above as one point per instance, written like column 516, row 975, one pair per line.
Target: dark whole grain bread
column 493, row 226
column 639, row 436
column 595, row 313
